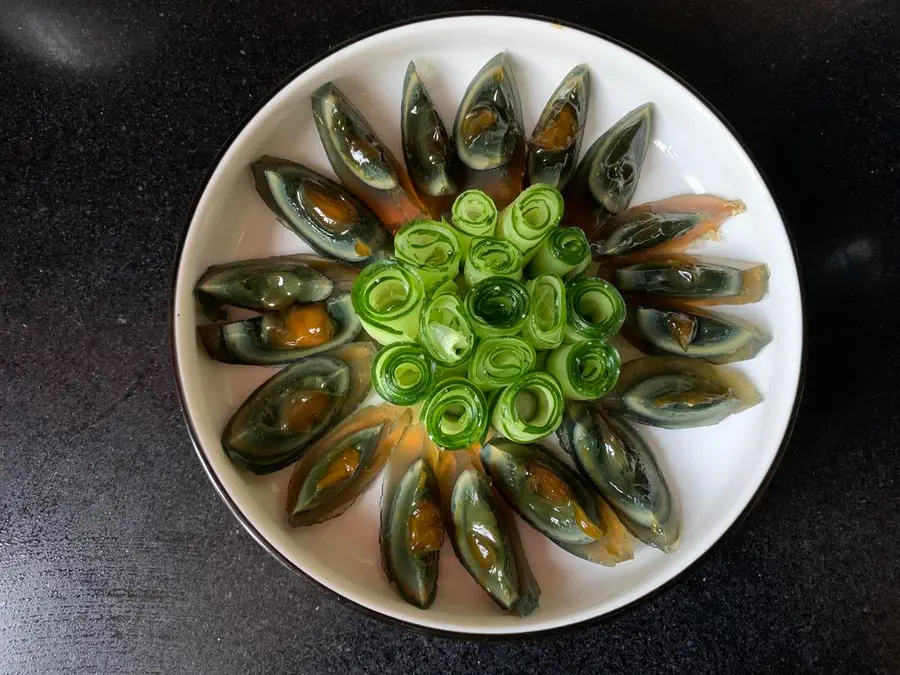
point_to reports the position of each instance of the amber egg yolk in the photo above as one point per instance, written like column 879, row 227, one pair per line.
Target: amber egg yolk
column 682, row 328
column 545, row 483
column 426, row 531
column 482, row 549
column 341, row 468
column 560, row 133
column 690, row 399
column 304, row 326
column 305, row 411
column 477, row 122
column 333, row 211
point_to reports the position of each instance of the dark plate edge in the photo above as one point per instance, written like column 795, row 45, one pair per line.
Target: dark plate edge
column 551, row 632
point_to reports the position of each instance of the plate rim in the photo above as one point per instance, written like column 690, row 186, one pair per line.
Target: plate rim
column 386, row 618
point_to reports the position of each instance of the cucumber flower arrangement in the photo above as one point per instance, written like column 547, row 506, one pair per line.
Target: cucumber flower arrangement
column 487, row 320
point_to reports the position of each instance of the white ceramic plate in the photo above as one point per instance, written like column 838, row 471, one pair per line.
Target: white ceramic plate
column 715, row 472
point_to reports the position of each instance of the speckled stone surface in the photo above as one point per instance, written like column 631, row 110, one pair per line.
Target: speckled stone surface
column 116, row 555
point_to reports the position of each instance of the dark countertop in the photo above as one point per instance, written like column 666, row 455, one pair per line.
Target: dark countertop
column 116, row 555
